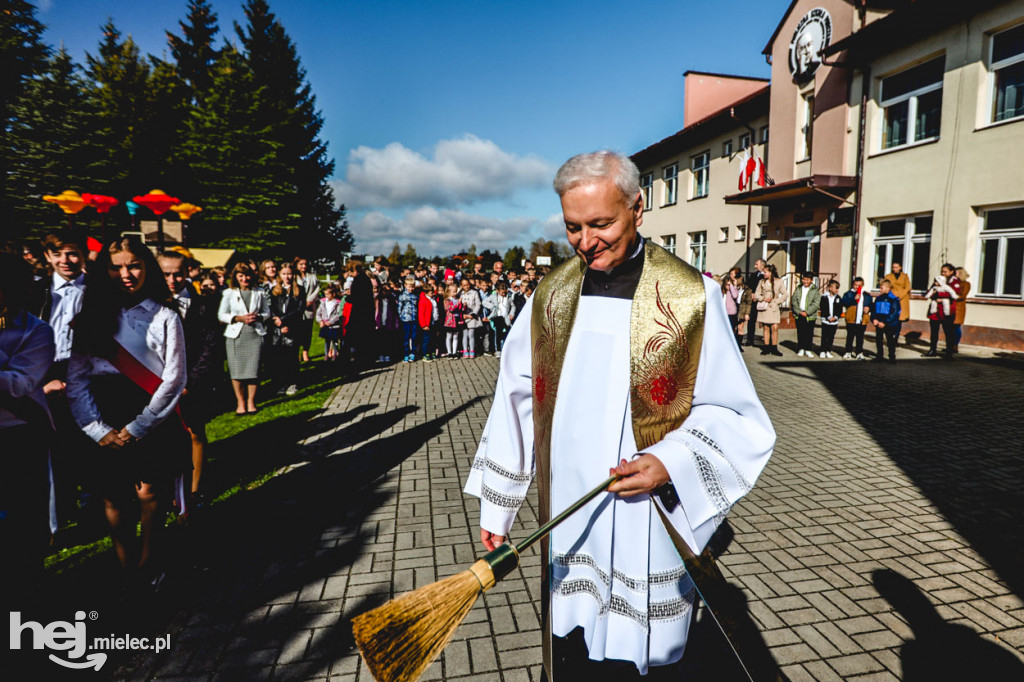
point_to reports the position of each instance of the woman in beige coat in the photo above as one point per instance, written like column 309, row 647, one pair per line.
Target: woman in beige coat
column 769, row 296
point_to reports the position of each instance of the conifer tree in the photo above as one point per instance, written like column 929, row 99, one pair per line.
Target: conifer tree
column 286, row 110
column 193, row 51
column 52, row 144
column 229, row 156
column 22, row 55
column 119, row 79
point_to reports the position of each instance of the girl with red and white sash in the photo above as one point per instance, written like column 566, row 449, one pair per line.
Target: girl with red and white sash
column 126, row 375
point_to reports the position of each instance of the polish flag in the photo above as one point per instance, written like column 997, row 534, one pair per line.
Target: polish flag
column 752, row 165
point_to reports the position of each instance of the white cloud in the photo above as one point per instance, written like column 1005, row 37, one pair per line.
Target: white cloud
column 440, row 231
column 462, row 171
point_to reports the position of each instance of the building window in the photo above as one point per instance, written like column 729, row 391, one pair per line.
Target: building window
column 911, row 103
column 1001, row 261
column 744, row 141
column 699, row 250
column 807, row 128
column 1007, row 65
column 906, row 241
column 701, row 165
column 741, row 232
column 723, row 234
column 727, row 148
column 670, row 175
column 764, row 134
column 669, row 242
column 646, row 183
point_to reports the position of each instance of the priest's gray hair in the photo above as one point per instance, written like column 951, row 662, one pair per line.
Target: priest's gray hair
column 585, row 168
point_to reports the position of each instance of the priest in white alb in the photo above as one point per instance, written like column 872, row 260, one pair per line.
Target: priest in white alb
column 623, row 360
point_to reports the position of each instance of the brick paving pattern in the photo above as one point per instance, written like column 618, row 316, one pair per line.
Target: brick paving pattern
column 889, row 513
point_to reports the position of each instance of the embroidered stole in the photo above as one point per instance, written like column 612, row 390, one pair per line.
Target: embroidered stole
column 666, row 330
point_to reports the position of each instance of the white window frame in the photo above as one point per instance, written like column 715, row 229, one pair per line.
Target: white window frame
column 764, row 134
column 806, row 128
column 906, row 240
column 912, row 96
column 670, row 174
column 741, row 232
column 647, row 189
column 723, row 234
column 993, row 68
column 727, row 148
column 699, row 241
column 1002, row 236
column 701, row 175
column 744, row 141
column 669, row 242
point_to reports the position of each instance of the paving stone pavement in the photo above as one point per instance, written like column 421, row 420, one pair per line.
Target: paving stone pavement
column 889, row 513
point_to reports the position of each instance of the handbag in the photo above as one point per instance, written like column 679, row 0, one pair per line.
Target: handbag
column 762, row 306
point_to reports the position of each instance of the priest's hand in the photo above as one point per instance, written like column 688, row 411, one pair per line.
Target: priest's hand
column 491, row 540
column 644, row 474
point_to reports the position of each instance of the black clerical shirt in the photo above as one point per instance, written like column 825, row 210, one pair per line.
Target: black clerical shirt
column 621, row 281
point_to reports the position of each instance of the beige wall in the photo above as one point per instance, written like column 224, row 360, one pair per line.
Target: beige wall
column 973, row 163
column 704, row 93
column 829, row 150
column 708, row 214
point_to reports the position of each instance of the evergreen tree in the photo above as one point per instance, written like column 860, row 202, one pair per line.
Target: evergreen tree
column 193, row 51
column 409, row 258
column 286, row 110
column 229, row 156
column 396, row 254
column 51, row 140
column 22, row 55
column 514, row 258
column 119, row 81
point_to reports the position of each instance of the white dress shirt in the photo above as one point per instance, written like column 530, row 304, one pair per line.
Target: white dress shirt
column 66, row 297
column 26, row 352
column 162, row 330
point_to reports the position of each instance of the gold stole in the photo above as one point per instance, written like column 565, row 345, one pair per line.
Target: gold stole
column 666, row 330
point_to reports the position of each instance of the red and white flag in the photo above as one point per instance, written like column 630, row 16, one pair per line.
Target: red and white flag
column 752, row 165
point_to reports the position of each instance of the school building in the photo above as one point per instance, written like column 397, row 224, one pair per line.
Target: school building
column 897, row 130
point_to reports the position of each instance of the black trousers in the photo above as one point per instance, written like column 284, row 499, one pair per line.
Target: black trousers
column 752, row 325
column 805, row 334
column 828, row 337
column 948, row 331
column 855, row 338
column 891, row 334
column 734, row 320
column 24, row 521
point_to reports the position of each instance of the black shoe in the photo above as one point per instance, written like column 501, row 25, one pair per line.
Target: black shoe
column 775, row 351
column 892, row 358
column 931, row 354
column 765, row 350
column 741, row 349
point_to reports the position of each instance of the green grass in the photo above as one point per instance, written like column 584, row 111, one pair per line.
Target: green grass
column 228, row 472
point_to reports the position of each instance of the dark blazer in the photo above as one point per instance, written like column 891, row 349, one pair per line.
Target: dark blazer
column 203, row 344
column 833, row 309
column 753, row 280
column 289, row 308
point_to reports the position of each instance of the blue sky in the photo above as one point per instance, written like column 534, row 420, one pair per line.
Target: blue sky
column 448, row 119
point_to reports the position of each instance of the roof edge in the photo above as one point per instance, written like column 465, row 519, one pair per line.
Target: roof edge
column 725, row 75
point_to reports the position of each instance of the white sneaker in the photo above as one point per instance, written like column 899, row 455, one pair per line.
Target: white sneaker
column 829, row 355
column 861, row 356
column 847, row 356
column 291, row 390
column 823, row 354
column 800, row 353
column 497, row 354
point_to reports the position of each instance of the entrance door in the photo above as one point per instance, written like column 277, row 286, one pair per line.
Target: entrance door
column 804, row 250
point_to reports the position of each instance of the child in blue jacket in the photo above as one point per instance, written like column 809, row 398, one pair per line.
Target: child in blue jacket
column 885, row 317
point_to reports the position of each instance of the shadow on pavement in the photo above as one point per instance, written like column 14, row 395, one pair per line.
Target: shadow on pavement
column 708, row 654
column 940, row 650
column 953, row 427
